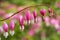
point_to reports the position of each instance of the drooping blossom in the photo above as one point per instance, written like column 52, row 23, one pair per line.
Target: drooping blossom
column 28, row 16
column 21, row 23
column 5, row 29
column 42, row 12
column 12, row 27
column 35, row 16
column 58, row 18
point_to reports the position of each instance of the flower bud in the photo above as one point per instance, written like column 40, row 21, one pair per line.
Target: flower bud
column 42, row 12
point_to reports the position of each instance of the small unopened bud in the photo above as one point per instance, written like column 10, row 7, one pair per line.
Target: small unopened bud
column 42, row 12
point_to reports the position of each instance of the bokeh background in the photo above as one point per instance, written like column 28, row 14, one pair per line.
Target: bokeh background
column 9, row 7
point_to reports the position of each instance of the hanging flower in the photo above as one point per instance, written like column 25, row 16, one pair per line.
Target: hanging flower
column 35, row 16
column 21, row 22
column 28, row 16
column 5, row 28
column 12, row 28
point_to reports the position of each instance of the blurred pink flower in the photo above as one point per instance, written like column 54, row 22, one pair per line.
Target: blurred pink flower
column 2, row 12
column 9, row 6
column 47, row 20
column 55, row 23
column 57, row 4
column 35, row 26
column 7, row 15
column 15, row 17
column 31, row 32
column 19, row 8
column 1, row 30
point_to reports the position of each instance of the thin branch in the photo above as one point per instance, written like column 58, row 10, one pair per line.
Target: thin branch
column 23, row 10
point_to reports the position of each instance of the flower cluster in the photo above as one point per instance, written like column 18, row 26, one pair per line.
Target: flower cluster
column 31, row 19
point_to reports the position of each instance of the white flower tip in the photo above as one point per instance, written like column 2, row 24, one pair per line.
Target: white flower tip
column 22, row 28
column 5, row 34
column 28, row 22
column 12, row 33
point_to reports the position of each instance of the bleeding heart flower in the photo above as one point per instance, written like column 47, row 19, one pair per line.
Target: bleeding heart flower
column 35, row 16
column 28, row 16
column 5, row 28
column 21, row 22
column 12, row 27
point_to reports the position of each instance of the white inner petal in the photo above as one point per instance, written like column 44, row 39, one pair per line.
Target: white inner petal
column 12, row 33
column 5, row 34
